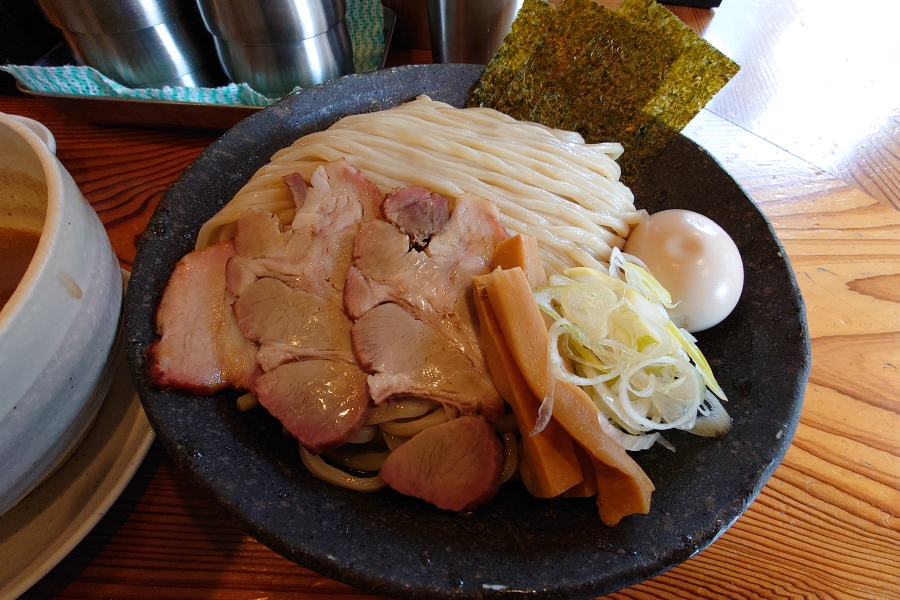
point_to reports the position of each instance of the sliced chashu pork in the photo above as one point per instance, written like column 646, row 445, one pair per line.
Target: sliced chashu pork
column 407, row 357
column 323, row 403
column 312, row 383
column 416, row 211
column 201, row 348
column 433, row 289
column 316, row 251
column 290, row 285
column 290, row 324
column 455, row 465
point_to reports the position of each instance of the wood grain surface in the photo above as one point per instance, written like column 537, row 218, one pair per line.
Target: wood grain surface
column 826, row 525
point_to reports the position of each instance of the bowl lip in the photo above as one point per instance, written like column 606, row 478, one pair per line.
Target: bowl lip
column 52, row 219
column 39, row 128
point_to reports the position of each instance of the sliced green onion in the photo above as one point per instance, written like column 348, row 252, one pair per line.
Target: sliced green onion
column 613, row 337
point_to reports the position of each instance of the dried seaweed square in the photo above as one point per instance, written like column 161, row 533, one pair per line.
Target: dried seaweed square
column 637, row 75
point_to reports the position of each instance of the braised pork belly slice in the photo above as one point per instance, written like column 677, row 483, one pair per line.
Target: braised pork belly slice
column 323, row 403
column 408, row 357
column 466, row 243
column 314, row 253
column 290, row 324
column 259, row 234
column 416, row 211
column 385, row 270
column 201, row 349
column 239, row 274
column 455, row 465
column 434, row 289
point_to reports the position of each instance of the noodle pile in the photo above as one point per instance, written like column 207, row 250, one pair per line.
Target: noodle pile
column 547, row 183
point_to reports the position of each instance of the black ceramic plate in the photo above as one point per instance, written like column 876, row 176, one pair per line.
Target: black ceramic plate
column 515, row 546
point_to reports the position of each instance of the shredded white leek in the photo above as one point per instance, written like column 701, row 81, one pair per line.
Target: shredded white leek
column 613, row 337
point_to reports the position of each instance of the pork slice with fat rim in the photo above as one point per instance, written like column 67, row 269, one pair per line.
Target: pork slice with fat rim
column 314, row 253
column 290, row 324
column 416, row 211
column 433, row 288
column 323, row 403
column 201, row 348
column 465, row 246
column 407, row 357
column 455, row 465
column 385, row 270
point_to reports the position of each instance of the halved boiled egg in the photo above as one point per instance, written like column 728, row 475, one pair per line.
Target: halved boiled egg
column 695, row 260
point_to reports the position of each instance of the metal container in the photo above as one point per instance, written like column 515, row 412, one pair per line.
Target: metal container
column 261, row 22
column 469, row 31
column 276, row 69
column 151, row 57
column 138, row 43
column 111, row 16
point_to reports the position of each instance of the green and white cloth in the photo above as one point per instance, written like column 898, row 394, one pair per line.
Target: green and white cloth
column 365, row 22
column 87, row 81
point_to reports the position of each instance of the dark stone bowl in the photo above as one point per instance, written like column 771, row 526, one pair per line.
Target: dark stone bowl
column 389, row 544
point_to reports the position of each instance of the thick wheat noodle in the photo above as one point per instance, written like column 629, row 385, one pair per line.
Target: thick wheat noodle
column 403, row 409
column 348, row 458
column 513, row 216
column 414, row 426
column 393, row 441
column 545, row 182
column 513, row 155
column 596, row 159
column 554, row 260
column 326, row 472
column 542, row 160
column 558, row 247
column 474, row 117
column 522, row 193
column 510, row 456
column 365, row 435
column 497, row 165
column 589, row 155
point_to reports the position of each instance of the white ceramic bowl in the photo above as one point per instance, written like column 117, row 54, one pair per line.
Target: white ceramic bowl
column 58, row 327
column 40, row 129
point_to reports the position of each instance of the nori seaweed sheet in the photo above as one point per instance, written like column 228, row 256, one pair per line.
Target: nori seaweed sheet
column 636, row 75
column 527, row 31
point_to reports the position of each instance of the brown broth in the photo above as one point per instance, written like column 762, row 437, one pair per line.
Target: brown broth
column 17, row 247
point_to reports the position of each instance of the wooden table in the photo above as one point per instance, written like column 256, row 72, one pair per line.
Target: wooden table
column 811, row 129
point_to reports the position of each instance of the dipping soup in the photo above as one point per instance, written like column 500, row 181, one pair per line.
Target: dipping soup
column 23, row 201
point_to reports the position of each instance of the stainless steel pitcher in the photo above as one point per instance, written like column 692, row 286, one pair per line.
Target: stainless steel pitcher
column 469, row 31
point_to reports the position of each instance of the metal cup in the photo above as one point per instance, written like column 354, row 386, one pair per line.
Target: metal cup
column 276, row 69
column 139, row 43
column 260, row 22
column 469, row 31
column 151, row 57
column 110, row 16
column 277, row 45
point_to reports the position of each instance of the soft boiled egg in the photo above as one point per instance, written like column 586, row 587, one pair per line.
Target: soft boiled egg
column 695, row 260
